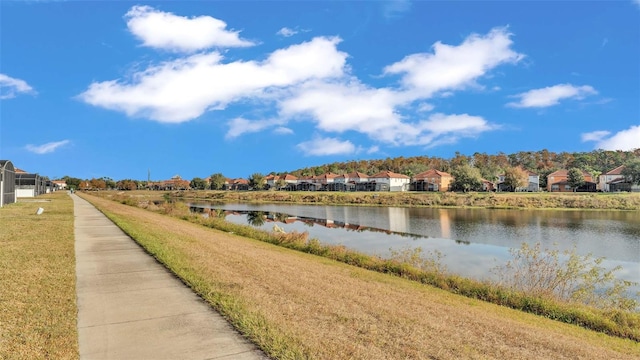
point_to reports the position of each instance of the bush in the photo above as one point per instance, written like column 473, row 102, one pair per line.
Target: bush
column 566, row 276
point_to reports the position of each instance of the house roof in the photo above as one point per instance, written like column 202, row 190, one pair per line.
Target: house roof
column 326, row 176
column 565, row 172
column 354, row 175
column 431, row 173
column 616, row 171
column 388, row 175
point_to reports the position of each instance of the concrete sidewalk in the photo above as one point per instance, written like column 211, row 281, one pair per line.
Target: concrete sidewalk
column 131, row 307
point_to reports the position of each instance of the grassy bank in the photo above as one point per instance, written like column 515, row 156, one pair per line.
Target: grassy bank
column 37, row 280
column 297, row 305
column 610, row 321
column 618, row 201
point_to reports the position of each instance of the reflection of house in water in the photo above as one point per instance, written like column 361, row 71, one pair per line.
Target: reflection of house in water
column 398, row 219
column 445, row 223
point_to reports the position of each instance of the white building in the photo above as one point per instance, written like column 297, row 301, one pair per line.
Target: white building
column 390, row 181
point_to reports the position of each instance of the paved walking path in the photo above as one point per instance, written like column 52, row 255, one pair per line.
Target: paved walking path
column 131, row 307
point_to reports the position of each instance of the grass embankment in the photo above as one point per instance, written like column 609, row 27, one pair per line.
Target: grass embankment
column 38, row 313
column 618, row 201
column 297, row 305
column 615, row 322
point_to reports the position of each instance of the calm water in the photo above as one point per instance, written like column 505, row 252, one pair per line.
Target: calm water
column 472, row 241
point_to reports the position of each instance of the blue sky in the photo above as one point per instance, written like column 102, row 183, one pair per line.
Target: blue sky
column 117, row 88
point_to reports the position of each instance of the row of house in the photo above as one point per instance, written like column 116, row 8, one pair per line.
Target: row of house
column 431, row 180
column 16, row 183
column 435, row 180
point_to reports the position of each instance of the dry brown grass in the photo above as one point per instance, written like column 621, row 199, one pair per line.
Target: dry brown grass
column 37, row 280
column 336, row 311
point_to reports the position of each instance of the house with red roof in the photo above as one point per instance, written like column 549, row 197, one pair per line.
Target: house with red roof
column 614, row 180
column 432, row 180
column 350, row 182
column 558, row 181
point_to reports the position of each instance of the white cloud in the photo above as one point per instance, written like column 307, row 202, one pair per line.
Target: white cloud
column 311, row 81
column 395, row 8
column 455, row 67
column 625, row 140
column 239, row 126
column 355, row 107
column 337, row 107
column 374, row 149
column 167, row 31
column 183, row 89
column 46, row 148
column 595, row 135
column 9, row 87
column 287, row 32
column 425, row 107
column 552, row 95
column 281, row 130
column 326, row 146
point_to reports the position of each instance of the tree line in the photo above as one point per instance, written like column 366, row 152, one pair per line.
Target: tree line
column 469, row 170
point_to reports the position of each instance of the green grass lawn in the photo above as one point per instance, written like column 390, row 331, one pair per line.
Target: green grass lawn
column 38, row 312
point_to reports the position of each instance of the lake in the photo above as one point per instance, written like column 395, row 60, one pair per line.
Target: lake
column 471, row 241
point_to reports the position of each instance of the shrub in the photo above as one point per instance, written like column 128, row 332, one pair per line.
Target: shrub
column 566, row 276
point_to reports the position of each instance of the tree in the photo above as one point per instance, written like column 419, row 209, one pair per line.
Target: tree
column 97, row 184
column 198, row 183
column 631, row 171
column 515, row 177
column 217, row 181
column 466, row 178
column 256, row 181
column 280, row 183
column 575, row 178
column 127, row 184
column 72, row 183
column 109, row 183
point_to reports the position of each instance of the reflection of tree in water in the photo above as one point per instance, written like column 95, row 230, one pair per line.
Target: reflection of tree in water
column 282, row 217
column 219, row 213
column 256, row 218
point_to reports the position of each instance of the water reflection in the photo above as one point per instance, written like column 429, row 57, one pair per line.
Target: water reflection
column 487, row 234
column 260, row 218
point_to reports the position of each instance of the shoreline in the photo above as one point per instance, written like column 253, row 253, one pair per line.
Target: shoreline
column 449, row 200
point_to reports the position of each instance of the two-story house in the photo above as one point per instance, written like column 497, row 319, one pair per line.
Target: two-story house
column 390, row 181
column 432, row 180
column 557, row 181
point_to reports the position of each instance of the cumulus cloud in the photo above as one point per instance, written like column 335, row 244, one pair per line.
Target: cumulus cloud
column 46, row 148
column 10, row 87
column 287, row 32
column 183, row 89
column 625, row 140
column 355, row 107
column 552, row 95
column 326, row 146
column 163, row 30
column 309, row 81
column 455, row 67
